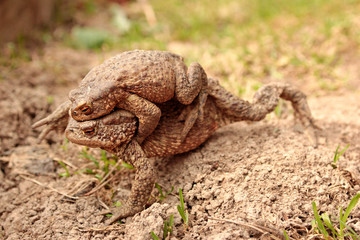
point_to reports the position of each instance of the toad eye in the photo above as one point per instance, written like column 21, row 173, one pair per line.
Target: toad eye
column 89, row 131
column 86, row 110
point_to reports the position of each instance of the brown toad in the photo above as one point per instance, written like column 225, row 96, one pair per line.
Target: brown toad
column 221, row 108
column 135, row 81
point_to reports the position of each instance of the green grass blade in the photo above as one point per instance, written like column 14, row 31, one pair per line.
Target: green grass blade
column 88, row 156
column 172, row 189
column 341, row 153
column 336, row 154
column 171, row 222
column 181, row 212
column 286, row 236
column 165, row 229
column 341, row 225
column 352, row 204
column 103, row 156
column 127, row 165
column 160, row 191
column 66, row 173
column 153, row 235
column 353, row 235
column 329, row 224
column 319, row 222
column 181, row 199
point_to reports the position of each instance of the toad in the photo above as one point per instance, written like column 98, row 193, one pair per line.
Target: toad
column 135, row 81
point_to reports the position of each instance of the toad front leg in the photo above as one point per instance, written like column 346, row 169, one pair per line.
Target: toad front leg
column 147, row 113
column 141, row 186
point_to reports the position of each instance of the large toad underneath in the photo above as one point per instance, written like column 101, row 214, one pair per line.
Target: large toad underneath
column 115, row 132
column 135, row 81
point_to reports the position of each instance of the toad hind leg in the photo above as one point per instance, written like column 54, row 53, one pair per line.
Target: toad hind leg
column 267, row 97
column 57, row 120
column 141, row 186
column 265, row 101
column 147, row 113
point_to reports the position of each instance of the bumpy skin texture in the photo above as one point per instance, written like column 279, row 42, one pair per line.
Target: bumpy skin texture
column 135, row 81
column 221, row 108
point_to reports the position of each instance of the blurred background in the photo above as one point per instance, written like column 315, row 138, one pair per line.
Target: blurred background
column 244, row 43
column 48, row 46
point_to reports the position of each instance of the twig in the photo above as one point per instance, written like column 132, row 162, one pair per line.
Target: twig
column 103, row 229
column 103, row 204
column 51, row 188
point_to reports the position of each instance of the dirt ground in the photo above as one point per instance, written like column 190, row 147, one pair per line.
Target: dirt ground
column 248, row 181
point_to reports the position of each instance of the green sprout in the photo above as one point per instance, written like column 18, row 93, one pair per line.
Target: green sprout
column 84, row 153
column 162, row 195
column 337, row 233
column 66, row 173
column 337, row 155
column 167, row 229
column 65, row 145
column 181, row 209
